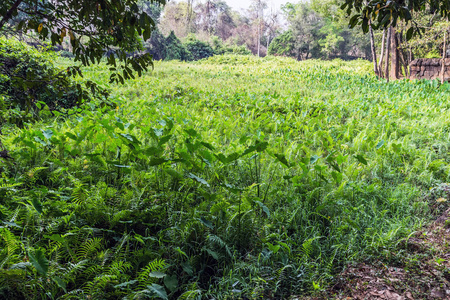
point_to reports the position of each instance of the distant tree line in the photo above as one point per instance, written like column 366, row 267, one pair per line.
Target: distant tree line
column 314, row 30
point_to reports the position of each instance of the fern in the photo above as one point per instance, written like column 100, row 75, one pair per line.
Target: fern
column 30, row 177
column 214, row 240
column 119, row 267
column 99, row 283
column 144, row 277
column 307, row 247
column 9, row 186
column 11, row 244
column 89, row 247
column 194, row 293
column 281, row 276
column 79, row 194
column 91, row 271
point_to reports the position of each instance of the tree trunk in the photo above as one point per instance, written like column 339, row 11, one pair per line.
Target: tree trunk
column 380, row 63
column 403, row 57
column 444, row 52
column 372, row 48
column 388, row 42
column 394, row 55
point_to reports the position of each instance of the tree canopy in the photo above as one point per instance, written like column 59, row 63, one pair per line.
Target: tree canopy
column 382, row 13
column 94, row 28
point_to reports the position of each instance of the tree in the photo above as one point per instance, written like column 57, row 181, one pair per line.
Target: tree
column 175, row 18
column 94, row 28
column 382, row 15
column 306, row 27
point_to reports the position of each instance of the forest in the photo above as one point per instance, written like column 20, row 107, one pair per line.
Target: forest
column 182, row 150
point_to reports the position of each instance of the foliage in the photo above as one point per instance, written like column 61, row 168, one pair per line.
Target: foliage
column 156, row 45
column 283, row 45
column 93, row 28
column 231, row 177
column 318, row 30
column 391, row 13
column 197, row 48
column 221, row 48
column 30, row 81
column 174, row 49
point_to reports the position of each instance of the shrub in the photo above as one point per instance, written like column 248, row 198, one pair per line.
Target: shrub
column 28, row 77
column 156, row 46
column 175, row 49
column 220, row 48
column 198, row 48
column 283, row 45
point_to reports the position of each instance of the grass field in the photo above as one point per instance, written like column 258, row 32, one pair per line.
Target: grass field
column 227, row 178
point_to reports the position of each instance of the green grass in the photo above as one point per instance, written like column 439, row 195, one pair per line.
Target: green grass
column 230, row 177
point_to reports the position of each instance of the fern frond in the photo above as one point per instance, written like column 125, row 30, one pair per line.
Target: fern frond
column 214, row 240
column 79, row 194
column 89, row 247
column 119, row 267
column 194, row 293
column 144, row 277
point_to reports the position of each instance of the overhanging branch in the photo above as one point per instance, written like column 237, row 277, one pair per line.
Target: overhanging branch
column 9, row 13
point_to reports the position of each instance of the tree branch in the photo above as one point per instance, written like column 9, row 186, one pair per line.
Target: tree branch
column 9, row 13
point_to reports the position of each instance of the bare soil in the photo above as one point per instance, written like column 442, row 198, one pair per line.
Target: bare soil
column 422, row 273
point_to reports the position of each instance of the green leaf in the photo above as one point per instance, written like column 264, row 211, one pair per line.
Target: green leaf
column 409, row 33
column 207, row 145
column 156, row 274
column 39, row 261
column 125, row 284
column 264, row 208
column 47, row 133
column 130, row 137
column 198, row 179
column 164, row 140
column 261, row 146
column 314, row 159
column 181, row 252
column 273, row 248
column 157, row 161
column 380, row 144
column 37, row 139
column 158, row 290
column 37, row 205
column 61, row 283
column 207, row 223
column 191, row 132
column 173, row 173
column 361, row 159
column 281, row 158
column 171, row 282
column 337, row 176
column 56, row 237
column 71, row 135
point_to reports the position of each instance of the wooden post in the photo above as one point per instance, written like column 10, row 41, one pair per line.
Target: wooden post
column 444, row 54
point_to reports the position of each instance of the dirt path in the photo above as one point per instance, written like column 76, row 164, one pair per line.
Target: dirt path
column 423, row 271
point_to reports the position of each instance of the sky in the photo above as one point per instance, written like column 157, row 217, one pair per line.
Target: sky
column 244, row 4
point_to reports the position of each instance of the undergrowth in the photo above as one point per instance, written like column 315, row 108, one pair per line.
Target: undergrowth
column 217, row 180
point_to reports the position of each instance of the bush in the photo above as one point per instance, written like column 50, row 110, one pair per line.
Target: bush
column 156, row 46
column 198, row 48
column 283, row 45
column 28, row 79
column 175, row 49
column 220, row 48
